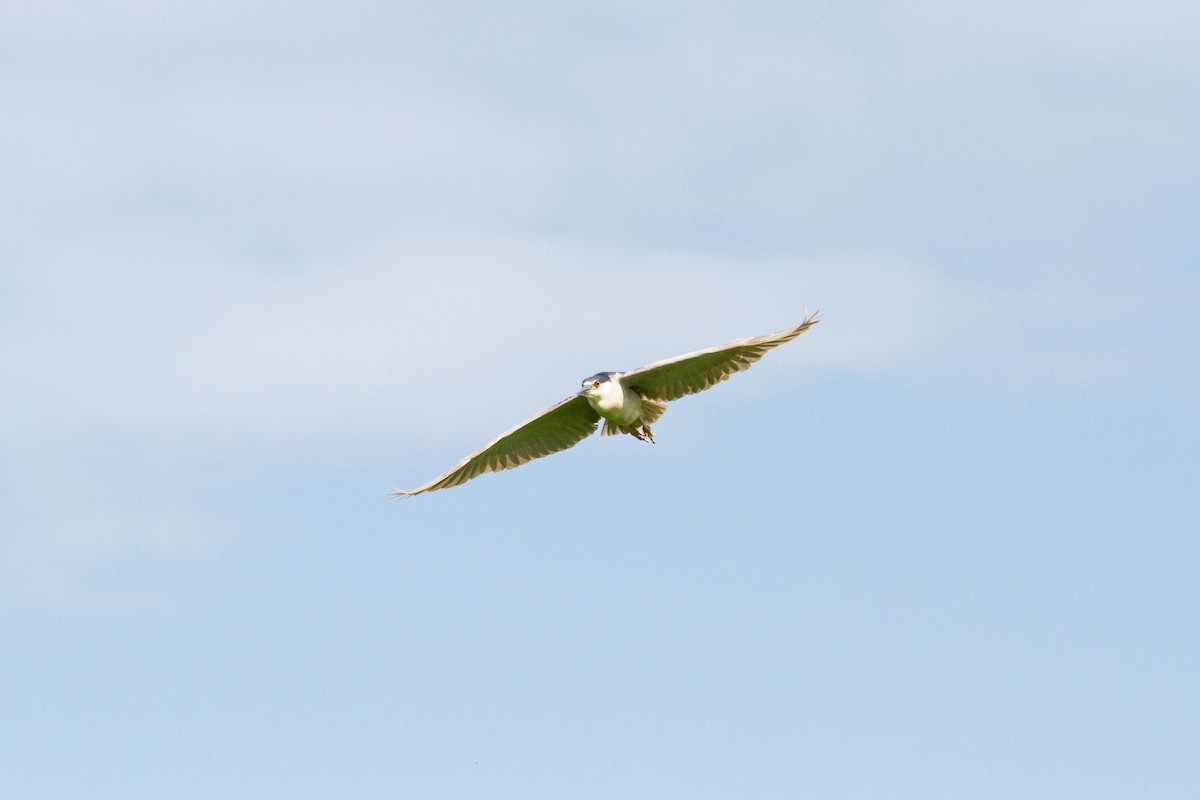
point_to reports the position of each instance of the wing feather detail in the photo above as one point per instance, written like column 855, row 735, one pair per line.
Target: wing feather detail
column 676, row 377
column 559, row 427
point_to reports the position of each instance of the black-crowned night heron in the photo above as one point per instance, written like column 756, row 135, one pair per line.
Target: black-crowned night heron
column 629, row 402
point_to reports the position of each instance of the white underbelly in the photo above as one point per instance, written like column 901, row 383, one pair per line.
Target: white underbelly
column 621, row 407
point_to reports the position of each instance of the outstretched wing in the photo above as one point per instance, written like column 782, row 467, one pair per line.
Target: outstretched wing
column 560, row 426
column 675, row 377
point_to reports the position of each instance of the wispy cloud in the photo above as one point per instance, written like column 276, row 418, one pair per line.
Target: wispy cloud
column 319, row 223
column 157, row 334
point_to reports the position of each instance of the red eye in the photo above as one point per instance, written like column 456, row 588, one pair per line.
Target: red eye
column 595, row 384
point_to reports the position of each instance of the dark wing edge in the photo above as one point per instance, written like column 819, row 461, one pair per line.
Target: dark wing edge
column 560, row 426
column 676, row 377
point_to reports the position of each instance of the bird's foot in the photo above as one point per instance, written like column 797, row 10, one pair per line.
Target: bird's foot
column 645, row 435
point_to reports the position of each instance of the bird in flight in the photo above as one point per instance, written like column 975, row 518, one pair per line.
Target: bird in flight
column 628, row 402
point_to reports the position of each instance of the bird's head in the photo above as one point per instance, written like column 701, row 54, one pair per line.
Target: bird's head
column 592, row 385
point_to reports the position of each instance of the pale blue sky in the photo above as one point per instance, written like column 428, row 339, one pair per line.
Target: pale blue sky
column 263, row 262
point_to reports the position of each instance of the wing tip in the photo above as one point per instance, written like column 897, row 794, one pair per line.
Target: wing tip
column 809, row 321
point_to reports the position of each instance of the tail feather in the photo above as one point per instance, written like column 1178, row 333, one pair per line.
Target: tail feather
column 652, row 410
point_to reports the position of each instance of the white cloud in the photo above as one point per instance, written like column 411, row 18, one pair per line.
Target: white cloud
column 320, row 220
column 160, row 334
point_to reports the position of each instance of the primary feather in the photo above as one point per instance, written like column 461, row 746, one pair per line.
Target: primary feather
column 560, row 426
column 673, row 378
